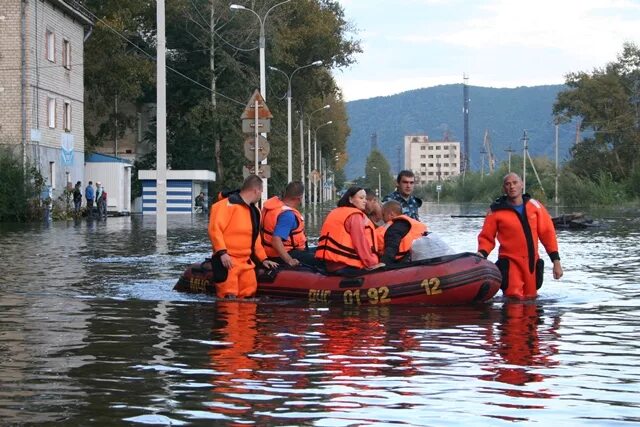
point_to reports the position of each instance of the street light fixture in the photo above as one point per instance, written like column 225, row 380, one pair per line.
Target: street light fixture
column 263, row 80
column 315, row 158
column 325, row 107
column 379, row 181
column 289, row 128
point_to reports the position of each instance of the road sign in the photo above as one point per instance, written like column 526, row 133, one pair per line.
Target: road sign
column 264, row 171
column 250, row 109
column 438, row 188
column 250, row 145
column 249, row 126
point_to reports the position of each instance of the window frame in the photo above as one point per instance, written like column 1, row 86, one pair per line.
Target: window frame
column 51, row 112
column 50, row 45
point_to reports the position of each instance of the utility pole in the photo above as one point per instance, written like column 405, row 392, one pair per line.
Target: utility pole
column 483, row 152
column 525, row 148
column 509, row 151
column 161, row 125
column 555, row 197
column 465, row 110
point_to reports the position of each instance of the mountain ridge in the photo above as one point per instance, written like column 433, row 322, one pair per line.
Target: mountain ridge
column 434, row 111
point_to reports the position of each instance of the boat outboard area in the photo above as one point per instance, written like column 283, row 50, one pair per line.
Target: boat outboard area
column 463, row 278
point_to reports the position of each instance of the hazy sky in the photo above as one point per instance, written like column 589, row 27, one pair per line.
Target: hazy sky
column 410, row 44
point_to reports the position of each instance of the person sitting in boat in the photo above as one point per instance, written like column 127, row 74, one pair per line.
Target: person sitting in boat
column 518, row 222
column 282, row 228
column 347, row 242
column 395, row 237
column 373, row 209
column 234, row 225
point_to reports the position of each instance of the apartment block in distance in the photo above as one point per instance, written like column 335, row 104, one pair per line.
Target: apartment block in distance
column 42, row 86
column 431, row 160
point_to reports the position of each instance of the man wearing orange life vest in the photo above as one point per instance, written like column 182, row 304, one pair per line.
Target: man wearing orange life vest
column 282, row 227
column 234, row 225
column 395, row 237
column 347, row 243
column 518, row 222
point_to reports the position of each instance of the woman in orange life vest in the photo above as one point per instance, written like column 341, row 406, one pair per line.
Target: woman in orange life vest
column 234, row 225
column 395, row 237
column 518, row 222
column 347, row 243
column 282, row 228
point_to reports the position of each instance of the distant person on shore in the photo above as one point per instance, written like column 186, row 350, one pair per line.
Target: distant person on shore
column 89, row 195
column 77, row 198
column 396, row 236
column 373, row 209
column 405, row 184
column 99, row 200
column 201, row 203
column 517, row 221
column 234, row 230
column 282, row 228
column 347, row 242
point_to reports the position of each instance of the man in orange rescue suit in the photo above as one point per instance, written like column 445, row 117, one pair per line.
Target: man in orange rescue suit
column 234, row 225
column 518, row 222
column 282, row 227
column 396, row 236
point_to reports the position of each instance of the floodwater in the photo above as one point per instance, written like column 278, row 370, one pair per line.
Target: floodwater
column 91, row 332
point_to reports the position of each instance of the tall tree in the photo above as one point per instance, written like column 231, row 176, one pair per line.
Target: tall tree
column 607, row 102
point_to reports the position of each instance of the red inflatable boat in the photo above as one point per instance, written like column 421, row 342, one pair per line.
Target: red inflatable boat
column 455, row 279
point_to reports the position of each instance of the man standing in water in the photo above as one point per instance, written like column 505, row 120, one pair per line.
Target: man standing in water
column 403, row 194
column 234, row 225
column 518, row 222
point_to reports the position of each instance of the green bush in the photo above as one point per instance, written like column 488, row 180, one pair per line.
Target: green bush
column 19, row 192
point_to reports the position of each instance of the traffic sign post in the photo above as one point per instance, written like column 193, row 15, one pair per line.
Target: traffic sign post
column 438, row 190
column 256, row 120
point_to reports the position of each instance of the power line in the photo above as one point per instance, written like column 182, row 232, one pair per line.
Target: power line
column 154, row 58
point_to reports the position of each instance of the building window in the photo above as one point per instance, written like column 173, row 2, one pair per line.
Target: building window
column 422, row 156
column 444, row 147
column 424, row 173
column 52, row 175
column 423, row 165
column 431, row 156
column 430, row 165
column 446, row 156
column 66, row 54
column 437, row 156
column 454, row 165
column 430, row 173
column 422, row 147
column 453, row 156
column 67, row 116
column 437, row 147
column 446, row 165
column 430, row 148
column 51, row 112
column 446, row 173
column 50, row 46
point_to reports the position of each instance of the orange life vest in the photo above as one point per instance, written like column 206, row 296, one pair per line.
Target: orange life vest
column 417, row 229
column 234, row 227
column 335, row 243
column 271, row 211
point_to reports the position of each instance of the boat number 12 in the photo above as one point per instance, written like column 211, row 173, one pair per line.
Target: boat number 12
column 374, row 296
column 431, row 286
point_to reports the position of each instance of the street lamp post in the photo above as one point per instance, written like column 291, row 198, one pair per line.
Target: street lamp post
column 289, row 128
column 315, row 158
column 379, row 182
column 326, row 107
column 263, row 80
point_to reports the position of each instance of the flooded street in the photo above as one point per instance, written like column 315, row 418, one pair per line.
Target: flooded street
column 91, row 332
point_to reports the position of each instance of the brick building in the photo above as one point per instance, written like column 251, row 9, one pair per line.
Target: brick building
column 42, row 85
column 431, row 160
